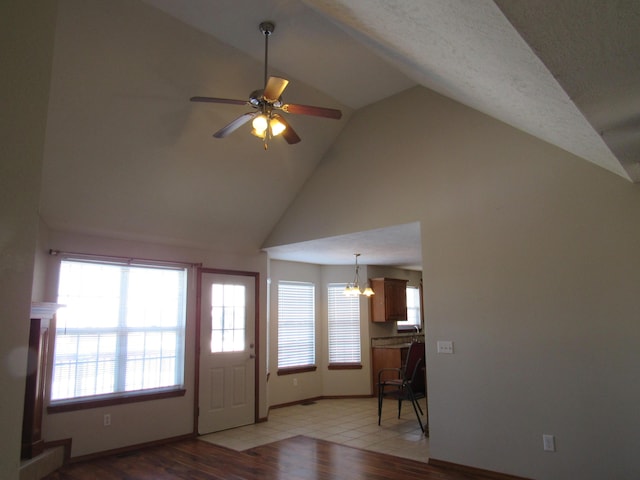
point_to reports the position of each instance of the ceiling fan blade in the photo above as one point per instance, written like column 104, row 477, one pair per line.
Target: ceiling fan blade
column 234, row 125
column 274, row 88
column 289, row 134
column 311, row 110
column 219, row 100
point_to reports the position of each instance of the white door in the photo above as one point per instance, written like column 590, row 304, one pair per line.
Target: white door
column 227, row 354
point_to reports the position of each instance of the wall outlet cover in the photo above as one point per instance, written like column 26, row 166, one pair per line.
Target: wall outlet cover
column 445, row 346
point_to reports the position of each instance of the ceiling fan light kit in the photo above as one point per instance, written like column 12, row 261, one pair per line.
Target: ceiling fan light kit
column 266, row 122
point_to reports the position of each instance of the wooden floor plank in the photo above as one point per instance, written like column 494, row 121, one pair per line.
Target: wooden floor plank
column 296, row 458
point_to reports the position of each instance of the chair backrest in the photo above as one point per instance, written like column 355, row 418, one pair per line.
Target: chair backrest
column 414, row 370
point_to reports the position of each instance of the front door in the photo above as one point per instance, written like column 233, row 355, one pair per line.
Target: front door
column 227, row 351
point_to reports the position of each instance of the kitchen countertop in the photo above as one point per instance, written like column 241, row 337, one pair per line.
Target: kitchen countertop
column 397, row 345
column 397, row 341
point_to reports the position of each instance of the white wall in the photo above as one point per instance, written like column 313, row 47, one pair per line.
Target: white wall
column 26, row 38
column 531, row 267
column 142, row 422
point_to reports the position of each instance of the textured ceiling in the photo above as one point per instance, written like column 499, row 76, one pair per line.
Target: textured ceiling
column 122, row 136
column 469, row 51
column 591, row 47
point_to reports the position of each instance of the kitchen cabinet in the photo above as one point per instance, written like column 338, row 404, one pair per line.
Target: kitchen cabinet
column 389, row 304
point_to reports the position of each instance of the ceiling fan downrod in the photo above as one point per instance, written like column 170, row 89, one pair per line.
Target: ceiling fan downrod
column 267, row 29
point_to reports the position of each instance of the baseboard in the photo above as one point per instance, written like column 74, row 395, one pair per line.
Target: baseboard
column 315, row 399
column 40, row 466
column 296, row 402
column 338, row 397
column 130, row 448
column 472, row 471
column 65, row 443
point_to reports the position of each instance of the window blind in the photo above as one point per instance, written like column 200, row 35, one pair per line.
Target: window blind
column 121, row 330
column 296, row 324
column 343, row 324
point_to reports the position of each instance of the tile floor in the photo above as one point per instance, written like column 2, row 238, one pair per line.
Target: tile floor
column 352, row 422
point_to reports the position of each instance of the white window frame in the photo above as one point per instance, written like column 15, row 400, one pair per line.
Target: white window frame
column 126, row 319
column 343, row 325
column 296, row 326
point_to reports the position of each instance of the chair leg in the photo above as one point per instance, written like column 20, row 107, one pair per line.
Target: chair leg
column 416, row 406
column 380, row 396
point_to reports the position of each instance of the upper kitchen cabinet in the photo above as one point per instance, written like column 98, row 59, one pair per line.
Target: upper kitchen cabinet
column 389, row 304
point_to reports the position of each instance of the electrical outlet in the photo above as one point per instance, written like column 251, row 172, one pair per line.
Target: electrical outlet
column 548, row 443
column 295, row 382
column 445, row 346
column 107, row 419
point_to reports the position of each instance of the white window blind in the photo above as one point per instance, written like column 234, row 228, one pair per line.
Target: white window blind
column 296, row 324
column 344, row 325
column 121, row 330
column 413, row 310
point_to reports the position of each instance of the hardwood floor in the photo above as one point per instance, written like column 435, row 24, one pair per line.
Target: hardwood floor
column 294, row 458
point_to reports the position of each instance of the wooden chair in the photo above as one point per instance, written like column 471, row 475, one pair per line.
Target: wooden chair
column 405, row 384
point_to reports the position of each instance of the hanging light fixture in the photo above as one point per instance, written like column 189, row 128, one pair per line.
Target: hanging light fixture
column 268, row 126
column 353, row 289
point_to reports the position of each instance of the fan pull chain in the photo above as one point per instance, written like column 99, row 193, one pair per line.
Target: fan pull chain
column 267, row 137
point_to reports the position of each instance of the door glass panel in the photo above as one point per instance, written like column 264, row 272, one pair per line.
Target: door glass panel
column 228, row 317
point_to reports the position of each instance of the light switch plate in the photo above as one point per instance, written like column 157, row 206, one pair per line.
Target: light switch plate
column 445, row 346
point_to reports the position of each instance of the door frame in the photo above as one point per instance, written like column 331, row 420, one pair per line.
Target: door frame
column 196, row 396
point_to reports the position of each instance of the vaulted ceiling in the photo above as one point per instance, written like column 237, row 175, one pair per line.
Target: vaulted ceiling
column 127, row 155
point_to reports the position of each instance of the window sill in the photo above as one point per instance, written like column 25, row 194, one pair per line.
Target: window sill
column 293, row 370
column 108, row 400
column 345, row 366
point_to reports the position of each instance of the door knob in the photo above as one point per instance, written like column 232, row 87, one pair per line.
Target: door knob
column 252, row 356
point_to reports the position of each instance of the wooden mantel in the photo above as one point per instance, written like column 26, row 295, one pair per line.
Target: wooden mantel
column 41, row 317
column 44, row 310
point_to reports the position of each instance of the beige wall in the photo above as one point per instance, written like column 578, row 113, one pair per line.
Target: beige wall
column 531, row 268
column 26, row 43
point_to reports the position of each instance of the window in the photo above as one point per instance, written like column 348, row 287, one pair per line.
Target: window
column 296, row 325
column 413, row 310
column 121, row 330
column 228, row 318
column 344, row 326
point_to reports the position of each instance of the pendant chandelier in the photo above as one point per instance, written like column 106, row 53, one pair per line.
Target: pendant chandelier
column 353, row 289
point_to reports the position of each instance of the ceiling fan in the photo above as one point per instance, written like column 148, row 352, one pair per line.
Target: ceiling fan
column 267, row 102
